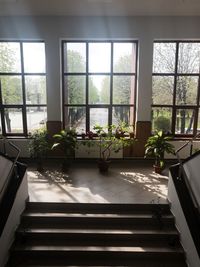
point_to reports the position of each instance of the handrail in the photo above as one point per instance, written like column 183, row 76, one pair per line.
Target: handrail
column 183, row 146
column 182, row 171
column 13, row 165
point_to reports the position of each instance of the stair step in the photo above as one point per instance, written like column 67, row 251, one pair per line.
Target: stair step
column 84, row 234
column 98, row 207
column 93, row 255
column 97, row 237
column 105, row 249
column 91, row 215
column 117, row 222
column 136, row 264
column 94, row 231
column 145, row 263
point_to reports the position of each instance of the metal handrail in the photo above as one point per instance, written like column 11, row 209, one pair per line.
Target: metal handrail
column 182, row 171
column 13, row 165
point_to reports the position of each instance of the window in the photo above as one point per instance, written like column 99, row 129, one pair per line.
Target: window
column 99, row 81
column 22, row 87
column 175, row 87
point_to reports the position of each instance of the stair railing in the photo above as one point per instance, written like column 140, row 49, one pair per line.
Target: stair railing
column 181, row 172
column 12, row 169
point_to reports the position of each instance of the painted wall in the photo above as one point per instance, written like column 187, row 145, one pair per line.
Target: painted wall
column 145, row 29
column 191, row 168
column 192, row 257
column 13, row 221
column 53, row 29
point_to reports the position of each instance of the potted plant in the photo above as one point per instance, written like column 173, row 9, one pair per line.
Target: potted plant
column 66, row 140
column 156, row 146
column 109, row 138
column 39, row 146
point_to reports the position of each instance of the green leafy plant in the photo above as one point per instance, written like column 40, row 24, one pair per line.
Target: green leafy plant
column 66, row 140
column 39, row 146
column 156, row 146
column 109, row 138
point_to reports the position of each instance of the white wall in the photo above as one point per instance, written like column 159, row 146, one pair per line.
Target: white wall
column 191, row 168
column 13, row 221
column 5, row 168
column 53, row 29
column 145, row 29
column 192, row 257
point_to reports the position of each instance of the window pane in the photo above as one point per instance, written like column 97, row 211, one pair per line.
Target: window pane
column 98, row 116
column 186, row 90
column 184, row 121
column 36, row 118
column 35, row 90
column 123, row 89
column 99, row 57
column 34, row 57
column 161, row 119
column 162, row 91
column 124, row 56
column 13, row 120
column 123, row 114
column 74, row 57
column 164, row 57
column 75, row 89
column 99, row 89
column 10, row 57
column 11, row 87
column 189, row 58
column 75, row 117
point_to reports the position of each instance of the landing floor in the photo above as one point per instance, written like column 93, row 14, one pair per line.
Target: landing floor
column 126, row 182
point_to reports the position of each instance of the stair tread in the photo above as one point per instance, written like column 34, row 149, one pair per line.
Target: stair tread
column 90, row 215
column 85, row 204
column 98, row 231
column 97, row 234
column 99, row 248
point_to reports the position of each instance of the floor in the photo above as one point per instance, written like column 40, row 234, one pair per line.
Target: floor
column 126, row 182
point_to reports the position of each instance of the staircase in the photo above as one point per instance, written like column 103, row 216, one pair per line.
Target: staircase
column 78, row 234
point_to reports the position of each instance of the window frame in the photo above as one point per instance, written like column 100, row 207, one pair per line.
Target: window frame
column 22, row 74
column 87, row 74
column 175, row 75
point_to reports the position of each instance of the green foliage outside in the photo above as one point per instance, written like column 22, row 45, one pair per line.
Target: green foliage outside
column 75, row 85
column 162, row 123
column 186, row 85
column 11, row 85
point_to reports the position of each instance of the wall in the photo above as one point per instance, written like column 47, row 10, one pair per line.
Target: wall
column 144, row 29
column 191, row 168
column 192, row 257
column 13, row 221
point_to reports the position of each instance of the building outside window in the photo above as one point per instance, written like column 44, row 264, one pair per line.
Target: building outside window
column 175, row 90
column 22, row 87
column 99, row 83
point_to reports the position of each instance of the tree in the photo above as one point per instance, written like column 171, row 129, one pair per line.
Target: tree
column 35, row 90
column 11, row 87
column 93, row 92
column 186, row 85
column 75, row 85
column 123, row 87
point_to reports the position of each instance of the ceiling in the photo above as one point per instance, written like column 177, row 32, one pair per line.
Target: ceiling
column 100, row 7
